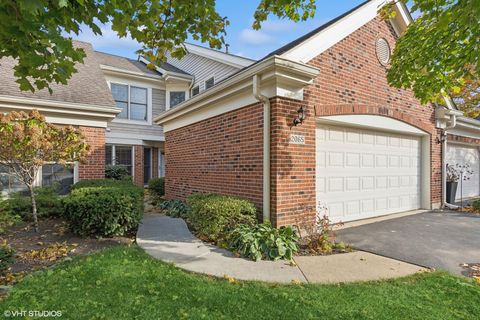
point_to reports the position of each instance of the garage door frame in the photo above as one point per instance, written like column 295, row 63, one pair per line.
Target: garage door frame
column 390, row 125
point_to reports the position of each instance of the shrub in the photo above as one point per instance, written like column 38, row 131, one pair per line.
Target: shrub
column 104, row 208
column 174, row 208
column 7, row 219
column 157, row 187
column 48, row 200
column 213, row 215
column 7, row 257
column 116, row 172
column 262, row 241
column 476, row 205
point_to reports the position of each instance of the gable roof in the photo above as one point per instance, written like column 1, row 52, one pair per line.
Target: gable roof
column 226, row 58
column 86, row 87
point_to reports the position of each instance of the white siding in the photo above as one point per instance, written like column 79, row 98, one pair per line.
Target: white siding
column 202, row 68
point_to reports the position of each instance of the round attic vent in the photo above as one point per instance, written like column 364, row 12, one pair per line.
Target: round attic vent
column 383, row 51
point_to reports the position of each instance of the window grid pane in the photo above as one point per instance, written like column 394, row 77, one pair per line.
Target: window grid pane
column 120, row 95
column 195, row 91
column 176, row 97
column 123, row 157
column 58, row 173
column 209, row 83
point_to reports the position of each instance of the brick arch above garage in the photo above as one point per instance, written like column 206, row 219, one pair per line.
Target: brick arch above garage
column 383, row 111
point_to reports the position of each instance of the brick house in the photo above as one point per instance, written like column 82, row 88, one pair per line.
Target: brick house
column 338, row 137
column 113, row 100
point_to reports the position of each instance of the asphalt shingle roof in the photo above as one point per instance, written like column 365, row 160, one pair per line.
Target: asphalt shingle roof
column 88, row 86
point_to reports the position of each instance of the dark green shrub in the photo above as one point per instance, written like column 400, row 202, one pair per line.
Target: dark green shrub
column 157, row 187
column 7, row 257
column 49, row 203
column 213, row 215
column 476, row 205
column 174, row 208
column 262, row 241
column 7, row 218
column 116, row 172
column 100, row 208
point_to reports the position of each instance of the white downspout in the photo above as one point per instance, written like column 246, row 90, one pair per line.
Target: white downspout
column 266, row 146
column 450, row 125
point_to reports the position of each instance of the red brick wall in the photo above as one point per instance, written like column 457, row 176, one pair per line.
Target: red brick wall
column 222, row 154
column 138, row 165
column 94, row 167
column 154, row 162
column 468, row 140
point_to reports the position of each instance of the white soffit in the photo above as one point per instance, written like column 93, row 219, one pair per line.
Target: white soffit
column 331, row 35
column 376, row 122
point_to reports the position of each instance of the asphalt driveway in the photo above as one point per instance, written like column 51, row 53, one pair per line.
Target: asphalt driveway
column 436, row 239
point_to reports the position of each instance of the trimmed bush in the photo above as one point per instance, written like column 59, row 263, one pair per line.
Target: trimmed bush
column 7, row 257
column 157, row 187
column 262, row 241
column 213, row 216
column 104, row 208
column 7, row 218
column 174, row 208
column 49, row 203
column 476, row 205
column 116, row 172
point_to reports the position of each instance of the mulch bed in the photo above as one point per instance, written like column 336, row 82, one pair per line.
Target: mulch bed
column 472, row 270
column 53, row 242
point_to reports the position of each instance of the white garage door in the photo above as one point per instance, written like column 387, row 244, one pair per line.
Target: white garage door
column 457, row 154
column 366, row 173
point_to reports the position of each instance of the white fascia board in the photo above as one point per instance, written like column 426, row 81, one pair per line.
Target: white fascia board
column 166, row 73
column 229, row 59
column 59, row 108
column 268, row 69
column 466, row 127
column 141, row 75
column 326, row 38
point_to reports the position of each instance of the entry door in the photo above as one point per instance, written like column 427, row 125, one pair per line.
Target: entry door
column 366, row 173
column 459, row 154
column 147, row 164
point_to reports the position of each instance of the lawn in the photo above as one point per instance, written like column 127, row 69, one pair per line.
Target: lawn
column 125, row 283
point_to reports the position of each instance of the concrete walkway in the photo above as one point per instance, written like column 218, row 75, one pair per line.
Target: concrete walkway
column 168, row 239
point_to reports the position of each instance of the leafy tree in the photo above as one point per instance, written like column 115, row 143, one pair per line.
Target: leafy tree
column 27, row 142
column 439, row 52
column 31, row 31
column 468, row 98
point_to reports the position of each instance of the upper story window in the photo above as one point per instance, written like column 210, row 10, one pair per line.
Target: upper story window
column 176, row 97
column 132, row 100
column 195, row 91
column 209, row 83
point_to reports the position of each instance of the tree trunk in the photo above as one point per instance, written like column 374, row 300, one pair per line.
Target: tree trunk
column 34, row 208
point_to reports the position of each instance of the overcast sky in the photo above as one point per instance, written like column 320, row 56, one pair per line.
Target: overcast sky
column 242, row 39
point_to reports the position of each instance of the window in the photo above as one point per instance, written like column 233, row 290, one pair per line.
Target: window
column 120, row 156
column 176, row 97
column 63, row 174
column 209, row 83
column 132, row 100
column 195, row 91
column 9, row 182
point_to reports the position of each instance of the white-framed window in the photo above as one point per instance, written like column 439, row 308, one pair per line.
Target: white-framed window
column 119, row 155
column 132, row 100
column 176, row 97
column 209, row 83
column 195, row 91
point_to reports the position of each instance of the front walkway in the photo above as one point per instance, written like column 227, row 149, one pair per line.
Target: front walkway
column 168, row 239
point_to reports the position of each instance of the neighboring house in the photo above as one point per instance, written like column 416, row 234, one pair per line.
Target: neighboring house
column 364, row 148
column 113, row 100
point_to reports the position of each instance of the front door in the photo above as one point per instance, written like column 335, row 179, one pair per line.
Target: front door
column 147, row 164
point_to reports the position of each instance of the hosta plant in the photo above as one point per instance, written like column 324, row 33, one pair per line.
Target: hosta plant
column 262, row 241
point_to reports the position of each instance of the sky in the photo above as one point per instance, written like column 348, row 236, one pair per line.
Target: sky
column 243, row 40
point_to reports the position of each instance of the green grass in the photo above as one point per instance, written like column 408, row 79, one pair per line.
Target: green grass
column 125, row 283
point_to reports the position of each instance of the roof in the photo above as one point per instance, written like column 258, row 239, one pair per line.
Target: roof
column 191, row 45
column 128, row 64
column 87, row 86
column 297, row 41
column 220, row 56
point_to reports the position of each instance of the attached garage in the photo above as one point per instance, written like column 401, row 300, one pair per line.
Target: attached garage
column 465, row 155
column 363, row 172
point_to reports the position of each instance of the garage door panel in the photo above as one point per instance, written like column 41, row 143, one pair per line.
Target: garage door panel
column 367, row 174
column 459, row 154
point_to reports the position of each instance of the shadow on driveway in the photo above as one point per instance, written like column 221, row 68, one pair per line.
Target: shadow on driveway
column 435, row 239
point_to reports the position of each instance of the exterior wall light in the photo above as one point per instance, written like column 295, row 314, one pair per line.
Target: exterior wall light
column 301, row 116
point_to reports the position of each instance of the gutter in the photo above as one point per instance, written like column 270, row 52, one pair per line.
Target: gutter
column 266, row 146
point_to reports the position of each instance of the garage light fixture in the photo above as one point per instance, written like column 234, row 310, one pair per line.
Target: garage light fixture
column 301, row 116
